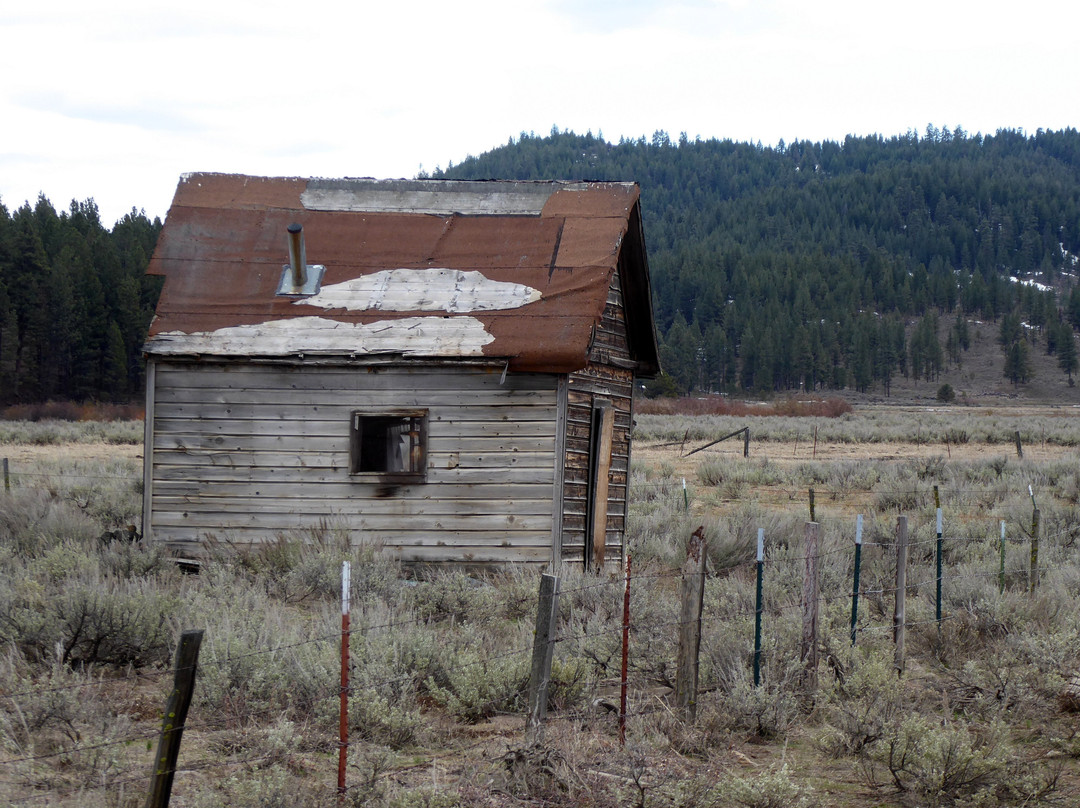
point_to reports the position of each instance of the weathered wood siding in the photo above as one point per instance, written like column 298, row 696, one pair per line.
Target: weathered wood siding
column 607, row 376
column 244, row 452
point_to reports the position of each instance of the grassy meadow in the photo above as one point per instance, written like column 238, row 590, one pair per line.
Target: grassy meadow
column 984, row 714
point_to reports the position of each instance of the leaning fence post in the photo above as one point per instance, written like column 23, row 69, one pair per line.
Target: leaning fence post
column 1019, row 447
column 855, row 582
column 939, row 549
column 543, row 650
column 899, row 627
column 176, row 709
column 808, row 650
column 693, row 594
column 759, row 606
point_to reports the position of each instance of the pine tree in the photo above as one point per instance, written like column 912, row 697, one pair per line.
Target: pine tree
column 115, row 371
column 1018, row 363
column 1066, row 353
column 1073, row 307
column 9, row 344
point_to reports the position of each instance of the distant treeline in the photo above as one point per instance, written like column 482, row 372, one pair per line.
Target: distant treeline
column 831, row 265
column 75, row 303
column 808, row 265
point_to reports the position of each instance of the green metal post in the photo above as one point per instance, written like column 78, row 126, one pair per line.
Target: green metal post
column 758, row 610
column 1034, row 574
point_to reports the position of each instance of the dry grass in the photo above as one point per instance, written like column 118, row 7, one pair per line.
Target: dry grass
column 832, row 407
column 436, row 715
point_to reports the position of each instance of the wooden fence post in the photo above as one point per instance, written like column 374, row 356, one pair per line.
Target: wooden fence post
column 1019, row 447
column 855, row 582
column 746, row 443
column 899, row 627
column 693, row 594
column 813, row 515
column 172, row 727
column 808, row 651
column 543, row 650
column 7, row 478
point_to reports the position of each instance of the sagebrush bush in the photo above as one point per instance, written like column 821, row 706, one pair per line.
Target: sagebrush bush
column 88, row 622
column 476, row 679
column 65, row 604
column 776, row 788
column 941, row 764
column 859, row 702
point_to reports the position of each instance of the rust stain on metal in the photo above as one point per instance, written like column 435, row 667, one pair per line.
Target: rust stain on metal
column 550, row 250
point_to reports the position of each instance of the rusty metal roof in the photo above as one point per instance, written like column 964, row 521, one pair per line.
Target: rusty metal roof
column 517, row 271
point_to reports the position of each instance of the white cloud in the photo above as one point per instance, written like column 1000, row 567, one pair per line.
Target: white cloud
column 116, row 100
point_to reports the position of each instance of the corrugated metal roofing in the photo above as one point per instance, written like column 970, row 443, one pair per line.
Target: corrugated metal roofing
column 423, row 268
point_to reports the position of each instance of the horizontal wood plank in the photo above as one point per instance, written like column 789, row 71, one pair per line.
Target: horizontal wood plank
column 428, row 527
column 189, row 415
column 396, row 507
column 307, row 461
column 357, row 494
column 404, row 397
column 165, row 472
column 261, row 376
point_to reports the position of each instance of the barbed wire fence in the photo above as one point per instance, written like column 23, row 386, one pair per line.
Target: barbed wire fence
column 589, row 627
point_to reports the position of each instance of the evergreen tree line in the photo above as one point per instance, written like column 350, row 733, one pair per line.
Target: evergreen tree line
column 832, row 265
column 801, row 266
column 75, row 303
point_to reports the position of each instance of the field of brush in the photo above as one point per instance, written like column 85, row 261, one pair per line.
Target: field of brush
column 983, row 714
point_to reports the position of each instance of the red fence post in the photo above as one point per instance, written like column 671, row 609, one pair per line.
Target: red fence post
column 625, row 654
column 343, row 723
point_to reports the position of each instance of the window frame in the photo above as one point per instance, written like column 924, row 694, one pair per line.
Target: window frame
column 417, row 472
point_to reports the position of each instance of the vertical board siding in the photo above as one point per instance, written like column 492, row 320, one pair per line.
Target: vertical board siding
column 243, row 453
column 606, row 376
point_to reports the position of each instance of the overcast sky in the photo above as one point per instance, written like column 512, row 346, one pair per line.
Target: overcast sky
column 115, row 100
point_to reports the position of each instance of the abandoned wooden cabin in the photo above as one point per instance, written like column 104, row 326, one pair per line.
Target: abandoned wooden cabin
column 443, row 369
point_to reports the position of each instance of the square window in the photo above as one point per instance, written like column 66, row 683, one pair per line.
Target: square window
column 388, row 447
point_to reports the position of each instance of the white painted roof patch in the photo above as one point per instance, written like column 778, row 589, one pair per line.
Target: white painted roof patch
column 450, row 290
column 411, row 336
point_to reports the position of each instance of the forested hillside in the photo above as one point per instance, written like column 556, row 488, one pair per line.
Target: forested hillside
column 75, row 303
column 805, row 266
column 832, row 265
